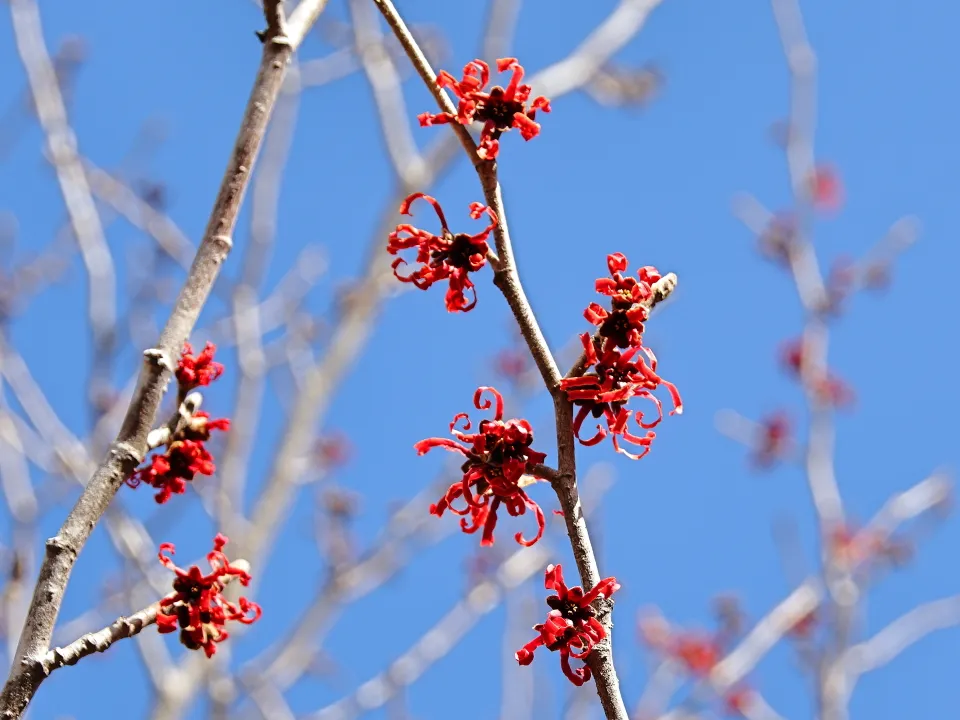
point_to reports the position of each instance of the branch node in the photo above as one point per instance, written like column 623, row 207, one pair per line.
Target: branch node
column 56, row 546
column 159, row 358
column 126, row 454
column 276, row 32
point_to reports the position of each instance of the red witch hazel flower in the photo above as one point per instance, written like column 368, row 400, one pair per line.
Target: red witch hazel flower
column 197, row 608
column 499, row 459
column 445, row 256
column 192, row 372
column 499, row 109
column 186, row 456
column 623, row 324
column 571, row 626
column 619, row 375
column 616, row 378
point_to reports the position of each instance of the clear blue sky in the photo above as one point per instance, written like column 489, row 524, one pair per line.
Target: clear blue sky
column 688, row 521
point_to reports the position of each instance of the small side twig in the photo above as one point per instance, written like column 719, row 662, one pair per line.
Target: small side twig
column 120, row 629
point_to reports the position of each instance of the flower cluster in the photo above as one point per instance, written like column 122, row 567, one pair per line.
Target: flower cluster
column 185, row 453
column 499, row 109
column 197, row 606
column 571, row 627
column 193, row 372
column 443, row 257
column 621, row 367
column 499, row 462
column 698, row 653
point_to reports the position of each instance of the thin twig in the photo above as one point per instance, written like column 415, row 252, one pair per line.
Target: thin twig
column 120, row 629
column 441, row 638
column 62, row 147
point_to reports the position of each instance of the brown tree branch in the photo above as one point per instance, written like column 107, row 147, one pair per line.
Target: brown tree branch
column 507, row 278
column 120, row 629
column 130, row 445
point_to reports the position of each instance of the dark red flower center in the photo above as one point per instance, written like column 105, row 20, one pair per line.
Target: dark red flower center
column 461, row 253
column 617, row 327
column 497, row 110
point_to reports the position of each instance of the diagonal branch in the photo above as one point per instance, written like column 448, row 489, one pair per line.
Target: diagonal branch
column 507, row 279
column 130, row 445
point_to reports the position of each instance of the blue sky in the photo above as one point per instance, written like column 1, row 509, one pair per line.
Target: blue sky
column 690, row 520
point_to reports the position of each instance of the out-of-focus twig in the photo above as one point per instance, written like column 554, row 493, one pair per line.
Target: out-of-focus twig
column 441, row 638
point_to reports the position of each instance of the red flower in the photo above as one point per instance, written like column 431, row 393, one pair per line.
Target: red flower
column 779, row 239
column 826, row 190
column 805, row 626
column 332, row 451
column 498, row 455
column 192, row 372
column 697, row 652
column 198, row 607
column 571, row 625
column 445, row 256
column 773, row 439
column 738, row 701
column 512, row 364
column 624, row 323
column 499, row 109
column 616, row 378
column 185, row 457
column 828, row 388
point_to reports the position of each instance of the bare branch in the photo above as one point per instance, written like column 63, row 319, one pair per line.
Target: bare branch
column 120, row 629
column 128, row 449
column 899, row 635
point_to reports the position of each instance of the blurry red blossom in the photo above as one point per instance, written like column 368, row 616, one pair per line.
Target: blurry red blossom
column 697, row 651
column 852, row 547
column 804, row 627
column 779, row 238
column 442, row 257
column 498, row 109
column 197, row 608
column 773, row 439
column 185, row 457
column 571, row 626
column 826, row 189
column 498, row 456
column 738, row 701
column 828, row 388
column 332, row 451
column 512, row 364
column 193, row 372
